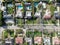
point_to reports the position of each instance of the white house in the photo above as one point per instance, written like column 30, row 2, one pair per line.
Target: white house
column 8, row 21
column 19, row 14
column 37, row 14
column 46, row 41
column 29, row 40
column 44, row 5
column 28, row 14
column 7, row 16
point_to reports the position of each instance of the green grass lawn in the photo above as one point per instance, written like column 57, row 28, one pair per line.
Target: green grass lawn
column 25, row 43
column 36, row 21
column 29, row 22
column 37, row 33
column 6, row 32
column 10, row 10
column 52, row 9
column 52, row 34
column 46, row 33
column 51, row 21
column 19, row 22
column 29, row 33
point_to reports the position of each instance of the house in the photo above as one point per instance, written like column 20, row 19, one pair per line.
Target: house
column 46, row 41
column 28, row 40
column 56, row 41
column 4, row 13
column 7, row 16
column 58, row 7
column 19, row 40
column 56, row 15
column 8, row 21
column 47, row 14
column 8, row 42
column 44, row 5
column 3, row 8
column 40, row 3
column 19, row 10
column 28, row 14
column 37, row 14
column 19, row 14
column 38, row 40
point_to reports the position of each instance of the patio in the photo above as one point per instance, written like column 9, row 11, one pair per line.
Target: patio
column 18, row 40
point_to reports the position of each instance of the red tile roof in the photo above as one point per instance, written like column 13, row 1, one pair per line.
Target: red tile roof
column 47, row 16
column 19, row 40
column 56, row 40
column 38, row 40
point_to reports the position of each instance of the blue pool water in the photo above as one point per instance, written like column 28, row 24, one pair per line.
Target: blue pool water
column 19, row 7
column 29, row 7
column 35, row 4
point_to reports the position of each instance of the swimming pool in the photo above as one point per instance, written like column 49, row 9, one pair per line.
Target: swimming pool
column 36, row 4
column 28, row 7
column 20, row 7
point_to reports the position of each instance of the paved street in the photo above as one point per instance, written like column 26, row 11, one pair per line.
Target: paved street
column 48, row 26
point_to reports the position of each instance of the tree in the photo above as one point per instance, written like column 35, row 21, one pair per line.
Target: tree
column 58, row 1
column 1, row 17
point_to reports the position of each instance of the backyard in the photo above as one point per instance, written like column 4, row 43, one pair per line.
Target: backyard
column 8, row 33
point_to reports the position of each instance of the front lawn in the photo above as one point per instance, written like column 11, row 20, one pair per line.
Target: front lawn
column 47, row 34
column 19, row 22
column 29, row 22
column 52, row 21
column 29, row 33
